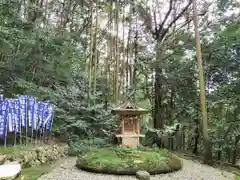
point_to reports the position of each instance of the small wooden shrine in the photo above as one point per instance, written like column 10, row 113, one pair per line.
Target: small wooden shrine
column 130, row 116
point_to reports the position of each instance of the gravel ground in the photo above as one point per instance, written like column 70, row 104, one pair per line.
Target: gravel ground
column 191, row 170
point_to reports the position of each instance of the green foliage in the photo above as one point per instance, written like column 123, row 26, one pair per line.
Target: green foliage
column 47, row 59
column 223, row 75
column 73, row 117
column 40, row 61
column 79, row 146
column 156, row 136
column 76, row 148
column 125, row 160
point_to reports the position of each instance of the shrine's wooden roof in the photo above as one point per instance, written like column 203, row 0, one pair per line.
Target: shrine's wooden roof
column 128, row 108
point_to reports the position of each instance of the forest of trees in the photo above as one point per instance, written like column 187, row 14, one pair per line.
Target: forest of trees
column 87, row 56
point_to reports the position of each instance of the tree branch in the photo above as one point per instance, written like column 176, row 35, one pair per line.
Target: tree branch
column 166, row 17
column 183, row 25
column 165, row 31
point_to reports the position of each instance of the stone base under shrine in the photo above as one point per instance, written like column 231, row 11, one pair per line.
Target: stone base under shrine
column 129, row 140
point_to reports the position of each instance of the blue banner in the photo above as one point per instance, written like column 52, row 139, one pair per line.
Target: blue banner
column 25, row 112
column 4, row 113
column 48, row 116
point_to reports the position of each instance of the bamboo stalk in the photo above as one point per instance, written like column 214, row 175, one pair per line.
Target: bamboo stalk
column 95, row 55
column 90, row 62
column 117, row 52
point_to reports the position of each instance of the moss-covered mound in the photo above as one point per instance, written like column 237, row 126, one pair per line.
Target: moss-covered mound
column 127, row 161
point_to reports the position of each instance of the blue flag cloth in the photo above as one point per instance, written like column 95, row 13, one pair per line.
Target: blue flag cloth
column 48, row 117
column 31, row 102
column 35, row 115
column 2, row 122
column 4, row 113
column 18, row 114
column 15, row 120
column 10, row 116
column 41, row 108
column 23, row 110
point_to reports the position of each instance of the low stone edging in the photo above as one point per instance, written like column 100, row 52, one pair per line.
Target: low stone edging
column 37, row 156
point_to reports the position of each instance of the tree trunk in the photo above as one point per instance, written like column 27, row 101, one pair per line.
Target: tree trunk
column 158, row 121
column 196, row 140
column 204, row 124
column 234, row 157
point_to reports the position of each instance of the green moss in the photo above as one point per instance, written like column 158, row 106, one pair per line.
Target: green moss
column 34, row 173
column 129, row 160
column 15, row 150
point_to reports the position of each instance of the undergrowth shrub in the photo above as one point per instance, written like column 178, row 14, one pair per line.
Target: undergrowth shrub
column 82, row 146
column 72, row 114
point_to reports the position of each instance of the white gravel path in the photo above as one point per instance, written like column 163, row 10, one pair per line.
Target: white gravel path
column 191, row 171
